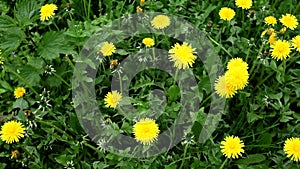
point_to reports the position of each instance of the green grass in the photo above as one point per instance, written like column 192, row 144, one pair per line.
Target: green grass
column 263, row 114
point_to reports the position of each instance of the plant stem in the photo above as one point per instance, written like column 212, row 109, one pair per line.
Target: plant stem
column 54, row 126
column 184, row 154
column 60, row 78
column 210, row 38
column 21, row 78
column 225, row 161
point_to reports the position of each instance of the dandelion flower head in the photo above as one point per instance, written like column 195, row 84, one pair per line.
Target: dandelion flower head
column 146, row 131
column 47, row 11
column 232, row 147
column 226, row 13
column 292, row 148
column 112, row 99
column 182, row 55
column 19, row 92
column 12, row 131
column 160, row 21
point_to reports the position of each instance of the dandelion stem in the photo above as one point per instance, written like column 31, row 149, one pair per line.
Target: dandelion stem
column 218, row 45
column 184, row 154
column 60, row 78
column 223, row 164
column 54, row 126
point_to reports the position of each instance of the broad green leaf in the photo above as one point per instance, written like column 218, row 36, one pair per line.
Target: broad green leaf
column 26, row 12
column 30, row 74
column 20, row 103
column 7, row 22
column 53, row 44
column 12, row 39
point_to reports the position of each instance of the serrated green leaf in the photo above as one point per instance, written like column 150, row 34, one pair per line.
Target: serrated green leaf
column 12, row 39
column 31, row 74
column 53, row 44
column 7, row 22
column 26, row 12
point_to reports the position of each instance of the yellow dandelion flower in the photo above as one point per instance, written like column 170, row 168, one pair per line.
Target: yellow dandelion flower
column 108, row 49
column 222, row 89
column 237, row 62
column 296, row 43
column 112, row 99
column 237, row 78
column 226, row 13
column 19, row 92
column 148, row 42
column 272, row 38
column 145, row 131
column 280, row 49
column 15, row 154
column 47, row 11
column 245, row 4
column 232, row 147
column 289, row 21
column 139, row 9
column 292, row 148
column 12, row 131
column 182, row 55
column 270, row 20
column 160, row 21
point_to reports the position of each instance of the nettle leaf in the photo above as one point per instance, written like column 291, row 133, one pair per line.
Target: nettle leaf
column 53, row 44
column 26, row 12
column 7, row 22
column 12, row 39
column 31, row 74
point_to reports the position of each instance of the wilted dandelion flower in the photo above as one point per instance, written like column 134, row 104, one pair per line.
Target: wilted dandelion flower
column 270, row 20
column 296, row 43
column 232, row 147
column 226, row 13
column 160, row 21
column 237, row 62
column 222, row 89
column 289, row 21
column 112, row 99
column 139, row 9
column 148, row 42
column 269, row 31
column 282, row 30
column 12, row 131
column 145, row 131
column 292, row 148
column 142, row 2
column 15, row 154
column 182, row 55
column 47, row 11
column 280, row 49
column 19, row 92
column 107, row 49
column 245, row 4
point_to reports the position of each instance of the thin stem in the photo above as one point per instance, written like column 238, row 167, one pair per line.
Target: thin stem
column 184, row 154
column 223, row 164
column 21, row 78
column 210, row 38
column 54, row 126
column 60, row 78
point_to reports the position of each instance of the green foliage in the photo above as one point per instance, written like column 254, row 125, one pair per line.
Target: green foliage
column 41, row 57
